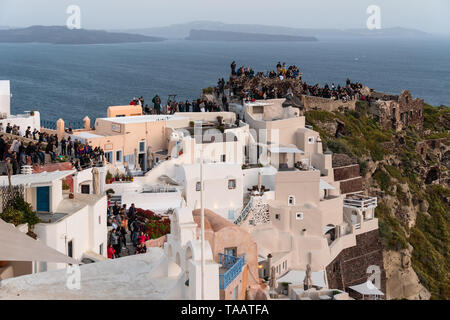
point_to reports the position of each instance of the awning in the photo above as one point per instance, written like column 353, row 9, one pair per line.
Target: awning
column 325, row 185
column 327, row 228
column 367, row 289
column 296, row 277
column 285, row 150
column 17, row 246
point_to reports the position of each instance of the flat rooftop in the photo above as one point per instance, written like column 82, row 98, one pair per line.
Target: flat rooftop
column 143, row 119
column 51, row 217
column 105, row 280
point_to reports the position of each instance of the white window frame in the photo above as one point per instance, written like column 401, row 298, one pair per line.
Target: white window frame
column 311, row 140
column 299, row 215
column 231, row 180
column 139, row 146
column 289, row 200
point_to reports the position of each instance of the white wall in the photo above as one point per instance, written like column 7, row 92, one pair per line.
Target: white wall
column 23, row 121
column 218, row 197
column 56, row 235
column 5, row 97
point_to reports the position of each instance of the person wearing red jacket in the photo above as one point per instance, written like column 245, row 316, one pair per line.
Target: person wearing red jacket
column 111, row 252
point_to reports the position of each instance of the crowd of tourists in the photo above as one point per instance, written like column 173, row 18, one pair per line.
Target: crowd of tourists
column 18, row 152
column 282, row 71
column 196, row 105
column 348, row 92
column 123, row 222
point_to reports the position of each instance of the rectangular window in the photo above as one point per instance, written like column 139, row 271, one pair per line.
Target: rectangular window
column 85, row 189
column 109, row 156
column 198, row 186
column 299, row 215
column 311, row 140
column 277, row 216
column 232, row 184
column 291, row 201
column 223, row 158
column 119, row 156
column 70, row 248
column 231, row 251
column 100, row 249
column 141, row 146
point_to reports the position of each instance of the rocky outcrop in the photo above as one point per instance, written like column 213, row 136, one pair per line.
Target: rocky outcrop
column 401, row 280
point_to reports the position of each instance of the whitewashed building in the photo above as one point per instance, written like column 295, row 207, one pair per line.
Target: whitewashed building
column 75, row 227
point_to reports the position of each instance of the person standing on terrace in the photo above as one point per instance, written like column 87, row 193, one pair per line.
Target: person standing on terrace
column 157, row 104
column 233, row 68
column 49, row 150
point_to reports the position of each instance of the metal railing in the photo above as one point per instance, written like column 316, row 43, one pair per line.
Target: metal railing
column 244, row 212
column 75, row 125
column 234, row 266
column 360, row 202
column 48, row 124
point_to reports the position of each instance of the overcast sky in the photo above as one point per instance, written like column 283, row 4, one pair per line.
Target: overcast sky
column 430, row 15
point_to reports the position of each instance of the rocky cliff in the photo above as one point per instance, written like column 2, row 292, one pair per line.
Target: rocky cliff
column 409, row 173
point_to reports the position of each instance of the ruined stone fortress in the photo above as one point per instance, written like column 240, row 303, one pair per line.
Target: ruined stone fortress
column 391, row 111
column 397, row 112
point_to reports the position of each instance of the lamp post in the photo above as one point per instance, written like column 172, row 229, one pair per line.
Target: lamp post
column 202, row 227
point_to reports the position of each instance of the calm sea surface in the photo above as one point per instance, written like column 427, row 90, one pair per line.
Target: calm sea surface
column 73, row 81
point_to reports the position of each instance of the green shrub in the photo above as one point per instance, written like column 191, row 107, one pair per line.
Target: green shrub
column 394, row 172
column 383, row 180
column 209, row 90
column 11, row 215
column 392, row 232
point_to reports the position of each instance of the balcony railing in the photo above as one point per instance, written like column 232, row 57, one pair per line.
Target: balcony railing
column 360, row 202
column 234, row 266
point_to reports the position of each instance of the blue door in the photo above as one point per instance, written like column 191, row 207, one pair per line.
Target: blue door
column 43, row 199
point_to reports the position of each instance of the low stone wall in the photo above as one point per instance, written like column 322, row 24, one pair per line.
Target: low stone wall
column 348, row 172
column 156, row 243
column 312, row 103
column 351, row 186
column 349, row 268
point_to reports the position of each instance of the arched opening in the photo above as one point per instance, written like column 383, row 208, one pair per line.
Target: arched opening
column 330, row 233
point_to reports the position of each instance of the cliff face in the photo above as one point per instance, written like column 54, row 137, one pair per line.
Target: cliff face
column 409, row 173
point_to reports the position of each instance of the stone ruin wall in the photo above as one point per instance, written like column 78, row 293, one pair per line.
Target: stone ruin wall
column 392, row 113
column 318, row 103
column 349, row 268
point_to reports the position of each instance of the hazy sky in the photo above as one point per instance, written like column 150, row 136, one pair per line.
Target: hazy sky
column 430, row 15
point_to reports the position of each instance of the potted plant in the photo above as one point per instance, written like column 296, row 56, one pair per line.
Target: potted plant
column 109, row 191
column 191, row 124
column 71, row 195
column 65, row 187
column 117, row 177
column 131, row 178
column 109, row 177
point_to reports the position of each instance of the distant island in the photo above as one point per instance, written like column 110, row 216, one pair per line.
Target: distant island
column 182, row 30
column 213, row 35
column 63, row 35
